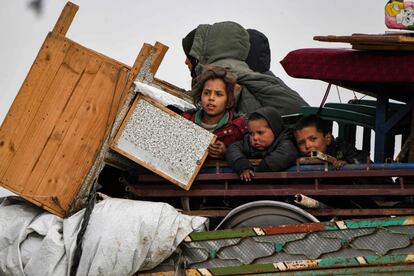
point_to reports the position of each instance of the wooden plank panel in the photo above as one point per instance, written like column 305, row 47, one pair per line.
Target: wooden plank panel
column 139, row 62
column 392, row 42
column 121, row 93
column 62, row 125
column 65, row 18
column 44, row 120
column 368, row 38
column 160, row 51
column 82, row 142
column 29, row 98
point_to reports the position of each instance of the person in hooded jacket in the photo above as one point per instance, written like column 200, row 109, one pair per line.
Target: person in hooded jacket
column 267, row 139
column 226, row 44
column 259, row 57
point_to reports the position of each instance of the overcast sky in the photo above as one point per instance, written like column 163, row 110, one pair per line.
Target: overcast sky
column 119, row 28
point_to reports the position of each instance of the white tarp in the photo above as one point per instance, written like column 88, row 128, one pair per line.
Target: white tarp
column 123, row 236
column 162, row 97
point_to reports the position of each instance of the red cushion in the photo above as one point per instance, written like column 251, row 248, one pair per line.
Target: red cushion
column 350, row 65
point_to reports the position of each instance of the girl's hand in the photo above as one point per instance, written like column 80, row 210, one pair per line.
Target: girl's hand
column 217, row 150
column 247, row 175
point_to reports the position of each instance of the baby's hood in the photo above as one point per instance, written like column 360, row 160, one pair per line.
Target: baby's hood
column 273, row 118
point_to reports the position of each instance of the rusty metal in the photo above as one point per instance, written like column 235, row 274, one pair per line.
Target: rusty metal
column 290, row 175
column 321, row 212
column 202, row 189
column 207, row 213
column 361, row 212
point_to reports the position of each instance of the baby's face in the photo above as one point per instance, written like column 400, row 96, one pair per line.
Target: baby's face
column 260, row 134
column 310, row 139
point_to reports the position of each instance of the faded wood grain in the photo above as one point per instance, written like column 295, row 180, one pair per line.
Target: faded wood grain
column 50, row 109
column 139, row 62
column 159, row 54
column 83, row 140
column 63, row 112
column 61, row 127
column 65, row 19
column 29, row 98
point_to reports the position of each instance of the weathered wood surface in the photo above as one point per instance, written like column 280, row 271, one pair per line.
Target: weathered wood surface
column 394, row 42
column 64, row 111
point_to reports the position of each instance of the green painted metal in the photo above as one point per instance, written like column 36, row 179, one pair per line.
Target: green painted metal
column 390, row 259
column 363, row 265
column 326, row 226
column 223, row 234
column 309, row 265
column 330, row 226
column 213, row 253
column 398, row 270
column 360, row 108
column 373, row 223
column 278, row 247
column 342, row 116
column 241, row 270
column 334, row 262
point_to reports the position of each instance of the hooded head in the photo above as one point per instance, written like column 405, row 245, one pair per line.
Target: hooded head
column 265, row 125
column 259, row 54
column 187, row 45
column 213, row 44
column 188, row 42
column 272, row 116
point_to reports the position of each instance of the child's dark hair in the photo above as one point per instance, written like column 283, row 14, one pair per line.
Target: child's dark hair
column 313, row 121
column 211, row 72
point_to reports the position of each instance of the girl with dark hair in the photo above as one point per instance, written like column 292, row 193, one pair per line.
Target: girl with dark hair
column 213, row 93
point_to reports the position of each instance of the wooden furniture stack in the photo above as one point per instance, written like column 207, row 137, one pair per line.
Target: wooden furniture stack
column 53, row 138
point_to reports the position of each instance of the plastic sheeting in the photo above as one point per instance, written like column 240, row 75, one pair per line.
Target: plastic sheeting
column 162, row 97
column 123, row 236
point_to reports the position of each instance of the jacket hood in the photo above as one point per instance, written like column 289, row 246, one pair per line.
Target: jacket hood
column 220, row 41
column 272, row 117
column 187, row 42
column 259, row 54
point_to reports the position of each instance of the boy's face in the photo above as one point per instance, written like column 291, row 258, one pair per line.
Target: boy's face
column 310, row 139
column 260, row 134
column 214, row 98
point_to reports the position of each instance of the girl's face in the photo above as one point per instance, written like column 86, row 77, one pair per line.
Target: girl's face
column 260, row 134
column 214, row 99
column 310, row 139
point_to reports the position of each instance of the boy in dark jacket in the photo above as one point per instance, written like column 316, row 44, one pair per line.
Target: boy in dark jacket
column 267, row 140
column 313, row 134
column 213, row 92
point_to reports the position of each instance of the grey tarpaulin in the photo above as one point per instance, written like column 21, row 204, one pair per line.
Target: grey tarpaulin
column 123, row 236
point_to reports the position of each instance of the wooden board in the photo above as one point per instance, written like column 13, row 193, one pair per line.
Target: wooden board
column 395, row 42
column 63, row 113
column 163, row 142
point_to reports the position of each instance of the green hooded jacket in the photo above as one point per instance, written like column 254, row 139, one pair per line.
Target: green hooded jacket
column 226, row 44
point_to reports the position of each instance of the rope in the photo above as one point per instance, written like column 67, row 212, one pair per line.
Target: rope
column 86, row 217
column 324, row 99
